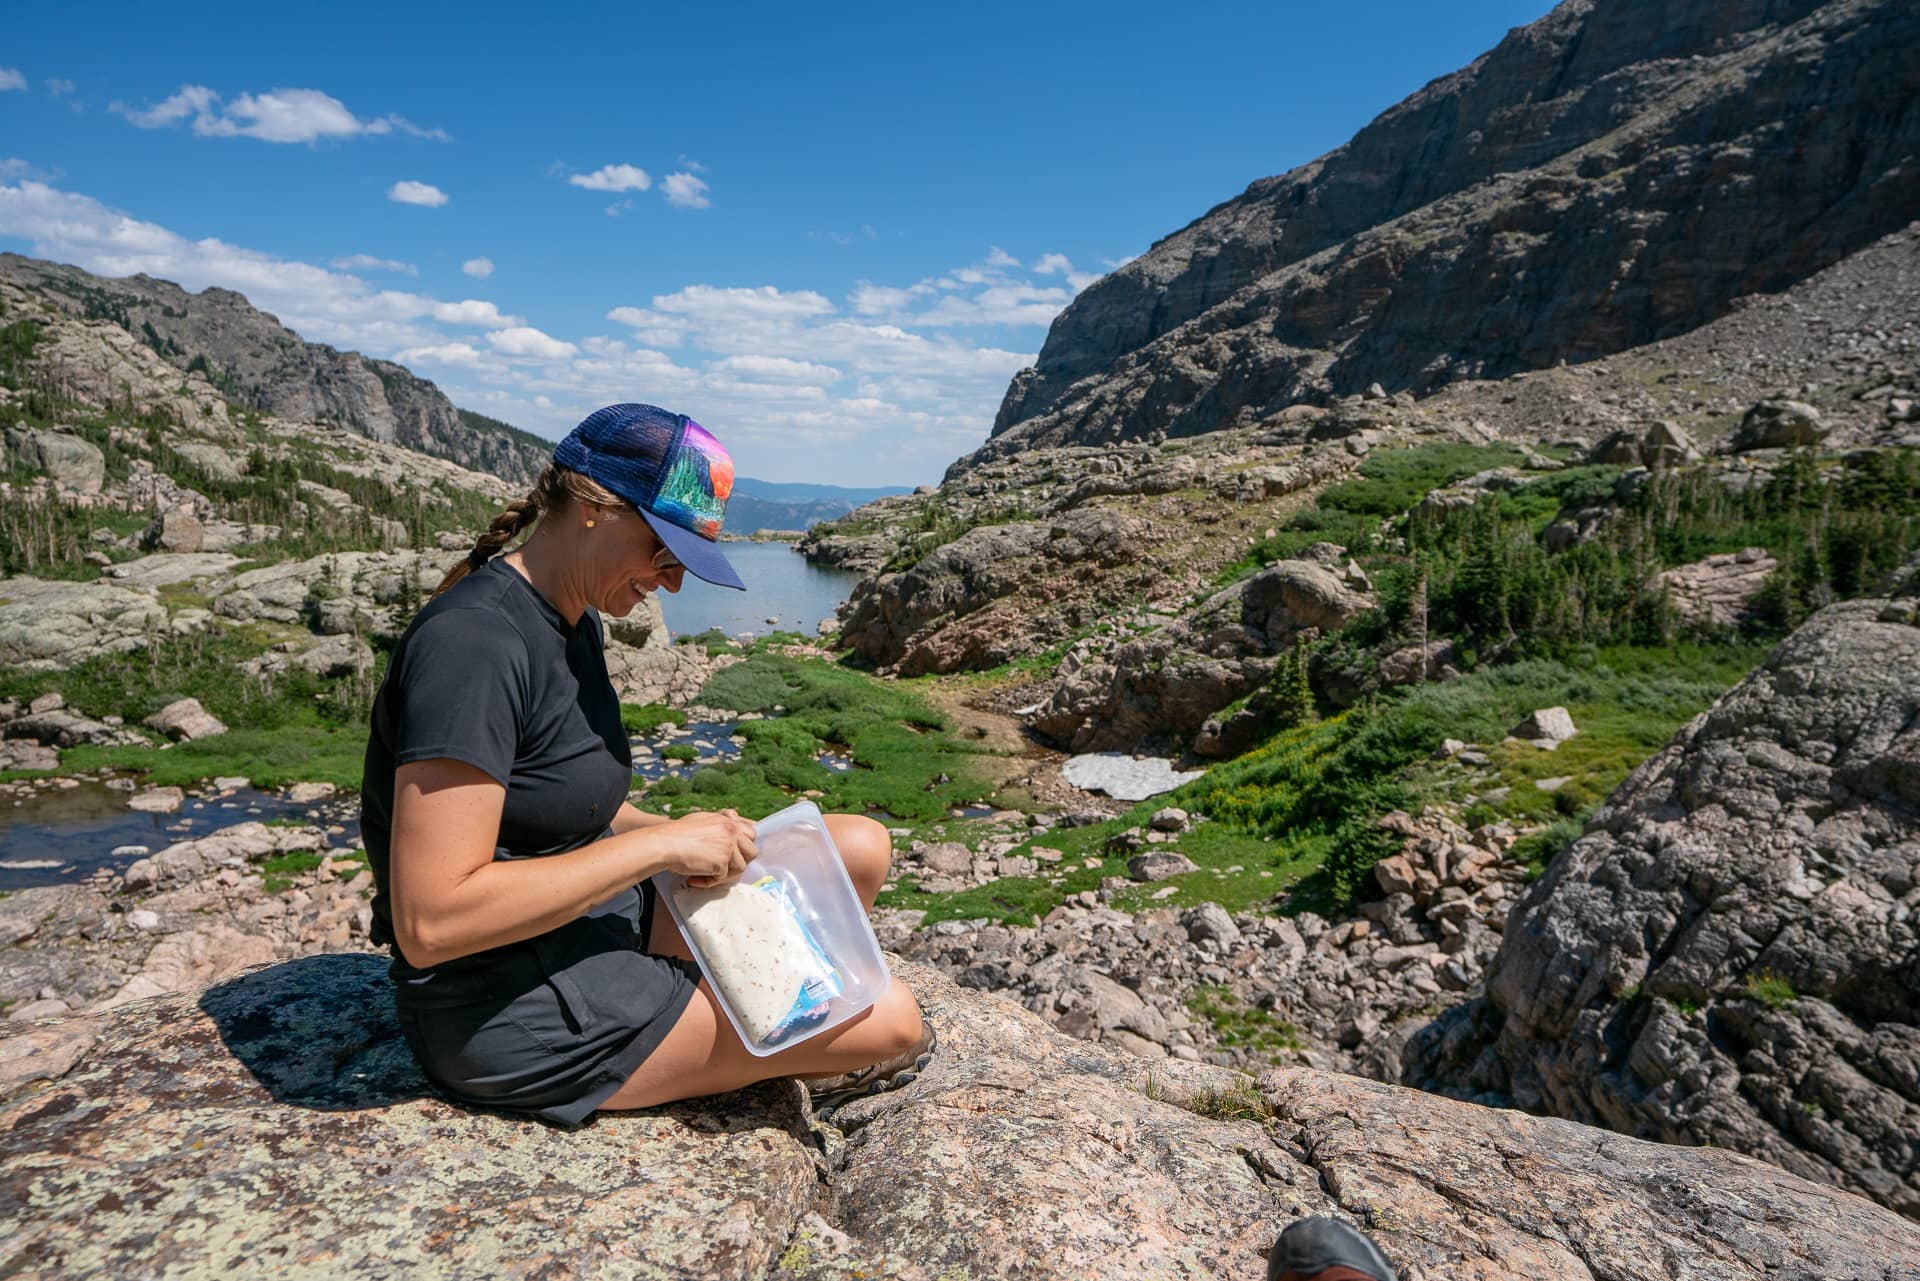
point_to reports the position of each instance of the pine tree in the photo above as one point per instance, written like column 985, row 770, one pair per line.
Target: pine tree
column 1293, row 688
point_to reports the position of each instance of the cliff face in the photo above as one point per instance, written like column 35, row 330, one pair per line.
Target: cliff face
column 1612, row 174
column 250, row 356
column 1730, row 955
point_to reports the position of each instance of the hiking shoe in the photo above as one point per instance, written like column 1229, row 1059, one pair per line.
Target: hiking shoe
column 830, row 1092
column 1325, row 1249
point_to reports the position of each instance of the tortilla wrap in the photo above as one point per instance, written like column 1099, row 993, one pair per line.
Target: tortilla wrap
column 755, row 952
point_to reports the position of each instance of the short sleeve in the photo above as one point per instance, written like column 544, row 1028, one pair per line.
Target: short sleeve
column 461, row 692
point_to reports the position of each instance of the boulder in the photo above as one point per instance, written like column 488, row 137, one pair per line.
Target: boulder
column 62, row 728
column 276, row 1121
column 645, row 626
column 1546, row 725
column 49, row 625
column 1170, row 819
column 247, row 842
column 211, row 459
column 70, row 462
column 157, row 800
column 1212, row 922
column 1158, row 865
column 1779, row 424
column 185, row 719
column 1664, row 444
column 1719, row 590
column 1730, row 955
column 20, row 753
column 177, row 530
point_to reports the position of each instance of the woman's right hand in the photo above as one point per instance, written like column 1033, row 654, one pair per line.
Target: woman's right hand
column 710, row 848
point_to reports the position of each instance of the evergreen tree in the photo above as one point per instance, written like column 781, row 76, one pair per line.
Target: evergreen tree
column 1293, row 688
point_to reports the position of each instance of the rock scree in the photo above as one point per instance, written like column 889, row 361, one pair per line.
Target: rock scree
column 275, row 1123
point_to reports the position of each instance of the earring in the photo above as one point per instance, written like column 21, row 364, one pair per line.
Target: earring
column 589, row 524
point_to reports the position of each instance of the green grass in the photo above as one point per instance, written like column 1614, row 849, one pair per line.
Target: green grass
column 1770, row 989
column 279, row 872
column 1537, row 849
column 1387, row 485
column 1242, row 1026
column 1626, row 701
column 302, row 750
column 638, row 718
column 1297, row 815
column 906, row 760
column 1240, row 1101
column 299, row 727
column 680, row 752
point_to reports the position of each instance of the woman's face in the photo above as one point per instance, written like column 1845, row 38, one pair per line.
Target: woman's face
column 623, row 547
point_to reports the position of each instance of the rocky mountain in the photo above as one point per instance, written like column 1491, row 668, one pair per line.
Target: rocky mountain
column 1618, row 172
column 254, row 360
column 1731, row 954
column 759, row 505
column 1019, row 1152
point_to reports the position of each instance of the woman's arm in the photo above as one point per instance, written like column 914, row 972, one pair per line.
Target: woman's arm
column 629, row 819
column 450, row 898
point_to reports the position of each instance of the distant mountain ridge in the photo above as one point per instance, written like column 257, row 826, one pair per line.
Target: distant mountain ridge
column 258, row 362
column 1615, row 173
column 792, row 491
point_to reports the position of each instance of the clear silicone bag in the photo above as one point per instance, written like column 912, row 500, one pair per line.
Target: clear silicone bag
column 787, row 948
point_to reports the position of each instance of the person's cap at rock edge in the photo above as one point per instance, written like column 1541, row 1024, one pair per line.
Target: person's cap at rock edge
column 670, row 468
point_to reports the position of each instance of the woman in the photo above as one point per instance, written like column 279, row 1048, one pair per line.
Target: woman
column 530, row 968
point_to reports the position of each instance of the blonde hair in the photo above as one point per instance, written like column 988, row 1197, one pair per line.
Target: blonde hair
column 556, row 487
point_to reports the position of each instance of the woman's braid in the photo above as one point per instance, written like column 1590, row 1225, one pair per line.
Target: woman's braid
column 554, row 489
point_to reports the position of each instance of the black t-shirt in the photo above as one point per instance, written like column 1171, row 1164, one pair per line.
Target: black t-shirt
column 489, row 673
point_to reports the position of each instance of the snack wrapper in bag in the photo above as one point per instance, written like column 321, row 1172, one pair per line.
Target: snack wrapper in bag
column 772, row 973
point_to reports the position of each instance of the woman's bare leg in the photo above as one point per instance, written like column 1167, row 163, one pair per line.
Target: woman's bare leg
column 703, row 1054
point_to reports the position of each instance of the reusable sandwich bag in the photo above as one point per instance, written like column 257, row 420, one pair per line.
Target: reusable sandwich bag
column 787, row 948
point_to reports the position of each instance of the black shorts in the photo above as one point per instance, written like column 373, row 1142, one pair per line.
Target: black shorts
column 553, row 1025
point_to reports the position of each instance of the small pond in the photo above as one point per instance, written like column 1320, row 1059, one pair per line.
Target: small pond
column 65, row 834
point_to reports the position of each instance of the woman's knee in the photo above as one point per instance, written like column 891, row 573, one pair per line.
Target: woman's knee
column 866, row 847
column 898, row 1020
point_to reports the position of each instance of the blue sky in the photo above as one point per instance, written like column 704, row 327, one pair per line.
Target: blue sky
column 830, row 234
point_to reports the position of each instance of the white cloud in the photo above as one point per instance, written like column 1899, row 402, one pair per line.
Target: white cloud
column 685, row 191
column 58, row 88
column 480, row 268
column 613, row 178
column 471, row 311
column 713, row 304
column 190, row 100
column 367, row 262
column 10, row 78
column 870, row 299
column 998, row 257
column 523, row 340
column 409, row 192
column 886, row 385
column 777, row 369
column 650, row 327
column 453, row 353
column 1060, row 264
column 279, row 115
column 14, row 167
column 323, row 305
